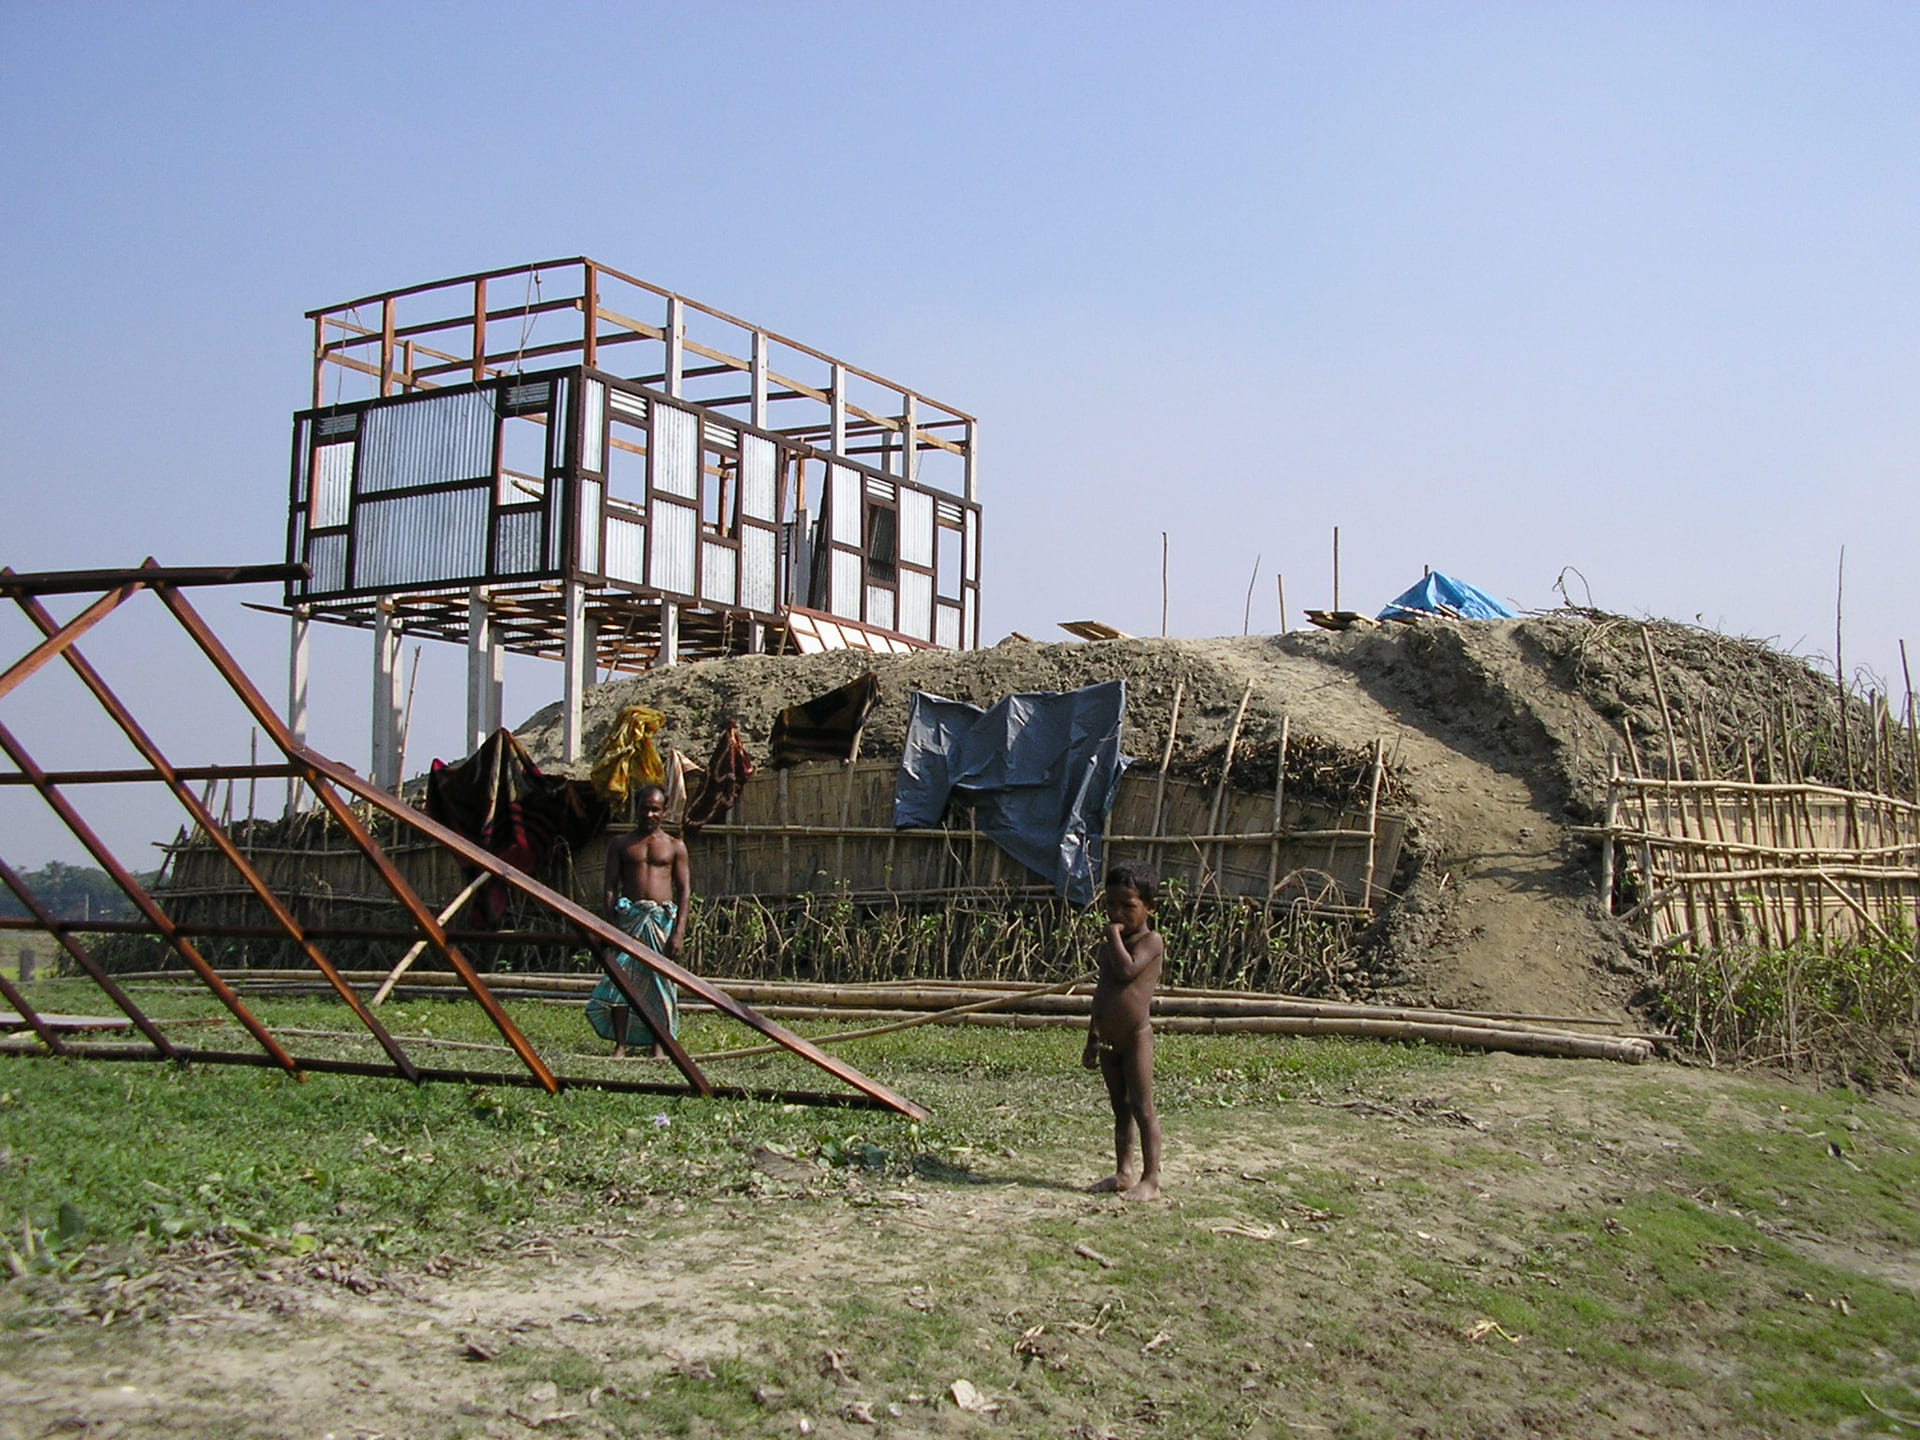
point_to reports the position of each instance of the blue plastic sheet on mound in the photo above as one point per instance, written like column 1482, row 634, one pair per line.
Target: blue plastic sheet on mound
column 1040, row 770
column 1443, row 595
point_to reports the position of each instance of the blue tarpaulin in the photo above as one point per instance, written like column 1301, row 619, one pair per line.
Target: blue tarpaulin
column 1443, row 595
column 1040, row 771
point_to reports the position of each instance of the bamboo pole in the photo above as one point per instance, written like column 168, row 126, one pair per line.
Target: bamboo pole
column 1160, row 783
column 1373, row 817
column 930, row 1018
column 1612, row 821
column 419, row 946
column 1913, row 726
column 1220, row 795
column 1279, row 800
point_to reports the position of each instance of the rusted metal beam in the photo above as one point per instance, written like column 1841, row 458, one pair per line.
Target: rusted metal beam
column 216, row 930
column 276, row 730
column 596, row 929
column 518, row 1079
column 27, row 1013
column 48, row 648
column 24, row 894
column 76, row 582
column 150, row 752
column 143, row 902
column 184, row 772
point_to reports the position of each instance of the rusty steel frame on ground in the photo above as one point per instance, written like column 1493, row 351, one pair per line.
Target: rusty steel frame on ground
column 329, row 782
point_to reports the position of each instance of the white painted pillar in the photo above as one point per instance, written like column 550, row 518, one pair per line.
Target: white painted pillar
column 757, row 373
column 298, row 658
column 480, row 652
column 387, row 700
column 837, row 441
column 496, row 680
column 676, row 343
column 669, row 652
column 910, row 441
column 756, row 637
column 573, row 666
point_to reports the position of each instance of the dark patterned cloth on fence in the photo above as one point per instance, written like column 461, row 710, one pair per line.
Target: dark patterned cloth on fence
column 727, row 774
column 498, row 798
column 651, row 923
column 825, row 726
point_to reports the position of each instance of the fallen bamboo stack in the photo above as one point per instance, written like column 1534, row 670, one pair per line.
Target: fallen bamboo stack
column 1035, row 1006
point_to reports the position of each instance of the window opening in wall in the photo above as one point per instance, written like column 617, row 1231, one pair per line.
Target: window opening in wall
column 626, row 461
column 523, row 458
column 947, row 562
column 882, row 543
column 717, row 494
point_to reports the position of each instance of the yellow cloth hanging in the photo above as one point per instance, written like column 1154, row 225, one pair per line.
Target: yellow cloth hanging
column 628, row 758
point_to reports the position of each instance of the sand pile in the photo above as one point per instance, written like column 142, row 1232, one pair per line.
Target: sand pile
column 1498, row 736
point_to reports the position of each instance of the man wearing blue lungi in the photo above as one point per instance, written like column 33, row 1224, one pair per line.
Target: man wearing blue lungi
column 648, row 887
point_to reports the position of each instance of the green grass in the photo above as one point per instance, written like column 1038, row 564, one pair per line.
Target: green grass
column 1643, row 1232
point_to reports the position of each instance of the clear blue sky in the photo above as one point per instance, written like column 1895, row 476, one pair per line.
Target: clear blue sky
column 1494, row 288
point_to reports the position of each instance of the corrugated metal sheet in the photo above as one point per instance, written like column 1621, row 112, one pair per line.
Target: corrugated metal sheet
column 516, row 547
column 421, row 539
column 758, row 573
column 675, row 531
column 424, row 441
column 674, row 453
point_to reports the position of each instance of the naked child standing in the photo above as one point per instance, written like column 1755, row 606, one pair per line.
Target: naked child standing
column 1120, row 1035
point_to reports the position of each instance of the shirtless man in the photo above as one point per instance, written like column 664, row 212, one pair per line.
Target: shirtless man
column 647, row 889
column 1120, row 1037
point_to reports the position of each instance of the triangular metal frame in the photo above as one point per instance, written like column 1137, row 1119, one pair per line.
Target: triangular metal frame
column 326, row 779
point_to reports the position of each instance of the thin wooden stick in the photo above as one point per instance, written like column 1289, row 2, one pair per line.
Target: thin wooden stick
column 1279, row 800
column 1160, row 784
column 932, row 1017
column 406, row 960
column 1913, row 730
column 1373, row 826
column 1163, row 584
column 1220, row 790
column 1612, row 821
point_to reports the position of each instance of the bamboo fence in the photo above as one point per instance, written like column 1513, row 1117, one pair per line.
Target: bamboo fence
column 1744, row 863
column 813, row 848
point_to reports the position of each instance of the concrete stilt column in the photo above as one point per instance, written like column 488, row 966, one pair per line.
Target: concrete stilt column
column 669, row 653
column 387, row 700
column 573, row 664
column 297, row 665
column 483, row 671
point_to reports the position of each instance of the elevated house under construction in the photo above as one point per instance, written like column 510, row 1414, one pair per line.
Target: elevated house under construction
column 563, row 461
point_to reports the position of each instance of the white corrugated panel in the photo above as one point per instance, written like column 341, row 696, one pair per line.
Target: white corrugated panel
column 844, row 502
column 946, row 626
column 421, row 539
column 757, row 464
column 676, row 452
column 590, row 525
column 843, row 586
column 916, row 605
column 759, row 573
column 675, row 539
column 626, row 549
column 593, row 444
column 880, row 607
column 332, row 485
column 916, row 527
column 719, row 574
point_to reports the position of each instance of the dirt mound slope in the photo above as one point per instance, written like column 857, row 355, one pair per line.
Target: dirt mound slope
column 1497, row 734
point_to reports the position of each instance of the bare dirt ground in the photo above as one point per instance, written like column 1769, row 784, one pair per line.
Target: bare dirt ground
column 1357, row 1264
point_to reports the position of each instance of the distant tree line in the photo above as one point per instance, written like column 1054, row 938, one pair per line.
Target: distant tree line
column 73, row 892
